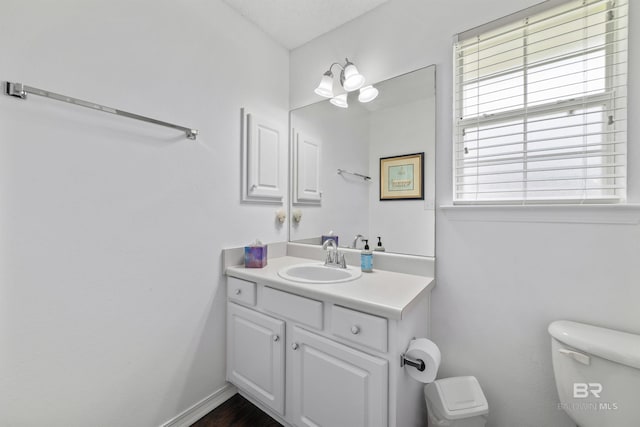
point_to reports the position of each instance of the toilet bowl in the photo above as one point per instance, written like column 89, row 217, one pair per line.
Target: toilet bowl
column 597, row 373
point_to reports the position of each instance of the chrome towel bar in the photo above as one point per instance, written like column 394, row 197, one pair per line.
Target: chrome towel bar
column 19, row 90
column 365, row 177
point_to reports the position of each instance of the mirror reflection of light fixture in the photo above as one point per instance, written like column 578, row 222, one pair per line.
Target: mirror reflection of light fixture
column 340, row 101
column 350, row 80
column 367, row 94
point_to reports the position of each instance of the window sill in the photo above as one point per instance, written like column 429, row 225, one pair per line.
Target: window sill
column 621, row 214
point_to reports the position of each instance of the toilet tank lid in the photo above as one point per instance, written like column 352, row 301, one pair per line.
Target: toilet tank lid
column 620, row 347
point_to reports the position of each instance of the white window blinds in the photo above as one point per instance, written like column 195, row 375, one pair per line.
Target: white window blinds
column 540, row 107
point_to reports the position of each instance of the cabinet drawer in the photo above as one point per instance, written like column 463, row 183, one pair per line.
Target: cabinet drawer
column 299, row 309
column 360, row 328
column 241, row 291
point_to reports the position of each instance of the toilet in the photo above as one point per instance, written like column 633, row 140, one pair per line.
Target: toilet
column 456, row 402
column 597, row 374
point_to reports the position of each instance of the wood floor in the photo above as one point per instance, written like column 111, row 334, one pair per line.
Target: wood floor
column 236, row 412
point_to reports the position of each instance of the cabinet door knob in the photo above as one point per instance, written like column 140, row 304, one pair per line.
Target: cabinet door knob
column 238, row 291
column 295, row 346
column 276, row 338
column 355, row 330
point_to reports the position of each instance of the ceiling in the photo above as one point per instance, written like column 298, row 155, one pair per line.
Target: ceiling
column 293, row 23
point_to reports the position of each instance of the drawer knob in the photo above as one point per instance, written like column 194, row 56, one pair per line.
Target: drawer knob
column 238, row 291
column 295, row 346
column 276, row 338
column 355, row 330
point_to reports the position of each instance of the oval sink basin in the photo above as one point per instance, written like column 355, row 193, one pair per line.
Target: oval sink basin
column 319, row 273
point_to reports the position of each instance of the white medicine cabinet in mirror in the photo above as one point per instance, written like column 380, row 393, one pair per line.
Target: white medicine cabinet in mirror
column 326, row 139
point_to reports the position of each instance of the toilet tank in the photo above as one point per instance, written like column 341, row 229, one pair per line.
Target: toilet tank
column 597, row 373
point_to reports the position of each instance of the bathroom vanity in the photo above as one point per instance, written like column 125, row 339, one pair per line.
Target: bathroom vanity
column 326, row 354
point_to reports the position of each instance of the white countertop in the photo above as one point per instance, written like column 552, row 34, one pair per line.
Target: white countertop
column 383, row 293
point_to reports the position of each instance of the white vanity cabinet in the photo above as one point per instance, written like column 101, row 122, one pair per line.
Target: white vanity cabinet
column 313, row 361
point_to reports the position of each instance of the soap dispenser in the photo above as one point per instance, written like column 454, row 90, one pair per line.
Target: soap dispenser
column 379, row 248
column 366, row 258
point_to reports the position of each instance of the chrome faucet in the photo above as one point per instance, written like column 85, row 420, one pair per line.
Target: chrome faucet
column 355, row 240
column 333, row 258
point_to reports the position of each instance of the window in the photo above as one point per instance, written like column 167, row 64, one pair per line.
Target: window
column 540, row 106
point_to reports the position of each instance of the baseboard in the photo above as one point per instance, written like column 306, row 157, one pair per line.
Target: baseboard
column 202, row 408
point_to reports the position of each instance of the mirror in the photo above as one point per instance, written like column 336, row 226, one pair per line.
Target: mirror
column 326, row 139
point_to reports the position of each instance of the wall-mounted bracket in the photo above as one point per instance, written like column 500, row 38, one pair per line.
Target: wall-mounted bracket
column 416, row 363
column 15, row 89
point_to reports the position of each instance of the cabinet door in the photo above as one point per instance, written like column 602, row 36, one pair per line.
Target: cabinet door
column 335, row 385
column 306, row 169
column 264, row 158
column 255, row 355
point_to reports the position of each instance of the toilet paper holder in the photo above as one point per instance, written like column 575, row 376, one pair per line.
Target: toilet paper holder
column 416, row 363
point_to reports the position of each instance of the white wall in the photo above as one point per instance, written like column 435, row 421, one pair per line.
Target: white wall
column 502, row 274
column 111, row 298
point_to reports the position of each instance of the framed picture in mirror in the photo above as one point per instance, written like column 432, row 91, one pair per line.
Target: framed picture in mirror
column 402, row 177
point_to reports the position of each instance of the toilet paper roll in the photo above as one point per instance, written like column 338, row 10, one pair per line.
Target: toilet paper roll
column 427, row 351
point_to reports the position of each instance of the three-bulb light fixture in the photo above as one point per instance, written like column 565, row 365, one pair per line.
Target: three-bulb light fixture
column 351, row 80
